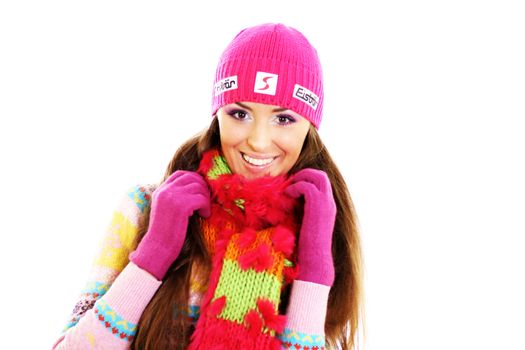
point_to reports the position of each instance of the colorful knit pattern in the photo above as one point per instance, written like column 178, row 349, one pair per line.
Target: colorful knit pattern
column 140, row 196
column 91, row 293
column 112, row 321
column 296, row 340
column 251, row 238
column 119, row 240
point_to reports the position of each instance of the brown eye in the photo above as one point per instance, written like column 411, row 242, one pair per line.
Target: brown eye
column 238, row 114
column 285, row 119
column 241, row 115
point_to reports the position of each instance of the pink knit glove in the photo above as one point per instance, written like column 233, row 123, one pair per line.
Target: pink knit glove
column 172, row 204
column 314, row 255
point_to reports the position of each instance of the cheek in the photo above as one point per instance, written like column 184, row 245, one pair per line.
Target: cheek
column 231, row 139
column 292, row 146
column 227, row 146
column 230, row 143
column 229, row 136
column 226, row 141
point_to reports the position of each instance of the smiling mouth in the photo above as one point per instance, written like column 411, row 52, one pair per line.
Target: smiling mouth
column 257, row 162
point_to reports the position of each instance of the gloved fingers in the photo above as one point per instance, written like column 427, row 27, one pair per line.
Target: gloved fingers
column 203, row 205
column 317, row 177
column 173, row 177
column 166, row 183
column 192, row 188
column 187, row 177
column 302, row 188
column 180, row 178
column 184, row 199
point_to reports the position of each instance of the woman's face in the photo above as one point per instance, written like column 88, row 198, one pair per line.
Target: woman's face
column 259, row 139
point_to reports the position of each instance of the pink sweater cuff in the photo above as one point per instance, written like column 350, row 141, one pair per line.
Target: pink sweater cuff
column 131, row 292
column 307, row 309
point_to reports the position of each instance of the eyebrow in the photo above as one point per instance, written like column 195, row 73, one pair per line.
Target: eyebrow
column 248, row 108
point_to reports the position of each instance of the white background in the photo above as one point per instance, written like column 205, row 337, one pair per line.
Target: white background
column 424, row 114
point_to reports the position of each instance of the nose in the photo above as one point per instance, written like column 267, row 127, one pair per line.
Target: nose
column 259, row 138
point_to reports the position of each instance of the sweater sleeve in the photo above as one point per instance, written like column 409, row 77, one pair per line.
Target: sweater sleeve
column 305, row 316
column 117, row 290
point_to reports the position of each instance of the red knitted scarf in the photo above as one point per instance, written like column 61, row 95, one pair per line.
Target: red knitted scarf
column 251, row 238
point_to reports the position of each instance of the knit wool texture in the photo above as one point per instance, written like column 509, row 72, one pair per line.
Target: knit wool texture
column 251, row 236
column 272, row 64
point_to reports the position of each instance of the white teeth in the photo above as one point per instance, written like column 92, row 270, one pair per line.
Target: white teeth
column 257, row 162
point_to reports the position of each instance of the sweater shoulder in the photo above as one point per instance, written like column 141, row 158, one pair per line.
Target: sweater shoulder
column 122, row 233
column 140, row 195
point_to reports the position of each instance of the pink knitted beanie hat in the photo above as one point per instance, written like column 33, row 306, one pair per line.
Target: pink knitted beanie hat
column 272, row 64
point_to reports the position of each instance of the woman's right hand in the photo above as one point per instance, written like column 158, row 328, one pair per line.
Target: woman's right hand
column 173, row 202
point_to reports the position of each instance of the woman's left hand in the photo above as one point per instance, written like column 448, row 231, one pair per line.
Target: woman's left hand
column 315, row 238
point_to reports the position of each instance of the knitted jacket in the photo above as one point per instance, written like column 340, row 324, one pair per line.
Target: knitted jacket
column 117, row 292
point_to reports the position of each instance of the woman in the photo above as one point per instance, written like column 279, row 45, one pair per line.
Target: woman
column 251, row 240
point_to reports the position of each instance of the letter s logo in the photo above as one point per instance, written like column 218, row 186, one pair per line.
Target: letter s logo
column 265, row 83
column 265, row 80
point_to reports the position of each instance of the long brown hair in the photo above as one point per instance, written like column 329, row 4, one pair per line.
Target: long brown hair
column 164, row 323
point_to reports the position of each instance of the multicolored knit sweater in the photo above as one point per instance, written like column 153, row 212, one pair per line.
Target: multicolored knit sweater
column 118, row 291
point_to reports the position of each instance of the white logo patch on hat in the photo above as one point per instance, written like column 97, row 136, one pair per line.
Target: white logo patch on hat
column 303, row 94
column 226, row 84
column 265, row 83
